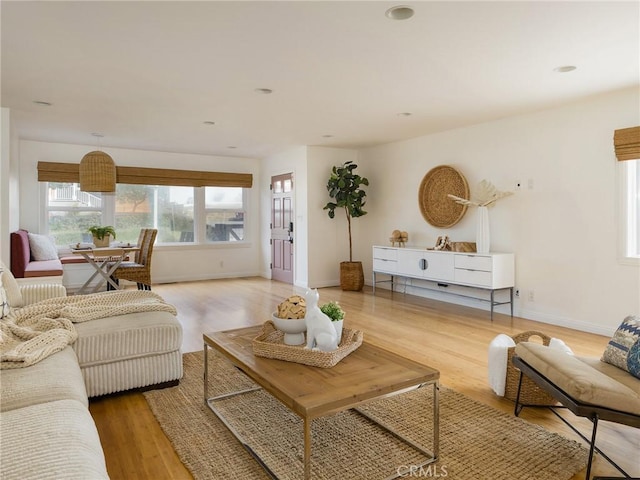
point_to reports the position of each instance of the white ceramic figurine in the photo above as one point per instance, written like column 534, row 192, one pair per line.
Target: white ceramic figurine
column 321, row 333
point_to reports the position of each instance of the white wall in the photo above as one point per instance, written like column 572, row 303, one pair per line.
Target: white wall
column 170, row 263
column 563, row 230
column 328, row 238
column 5, row 162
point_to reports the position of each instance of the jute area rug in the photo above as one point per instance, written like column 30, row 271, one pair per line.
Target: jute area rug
column 476, row 441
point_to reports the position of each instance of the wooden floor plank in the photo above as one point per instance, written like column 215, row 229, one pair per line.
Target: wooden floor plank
column 451, row 338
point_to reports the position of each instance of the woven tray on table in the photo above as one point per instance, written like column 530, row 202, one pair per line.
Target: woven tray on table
column 530, row 393
column 270, row 344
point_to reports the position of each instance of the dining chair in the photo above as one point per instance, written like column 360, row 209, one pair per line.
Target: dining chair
column 139, row 271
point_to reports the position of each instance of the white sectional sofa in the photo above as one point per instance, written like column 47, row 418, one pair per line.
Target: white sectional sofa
column 46, row 430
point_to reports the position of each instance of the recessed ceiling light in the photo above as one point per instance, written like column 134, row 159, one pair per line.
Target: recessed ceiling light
column 209, row 122
column 97, row 135
column 400, row 12
column 232, row 146
column 264, row 91
column 565, row 69
column 327, row 136
column 405, row 114
column 42, row 103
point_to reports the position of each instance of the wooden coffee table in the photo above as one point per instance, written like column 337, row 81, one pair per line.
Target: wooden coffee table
column 367, row 374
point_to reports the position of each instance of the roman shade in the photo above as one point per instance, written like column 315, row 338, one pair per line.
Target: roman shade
column 69, row 172
column 627, row 143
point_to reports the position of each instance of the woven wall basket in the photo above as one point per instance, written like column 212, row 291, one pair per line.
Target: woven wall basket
column 351, row 276
column 436, row 207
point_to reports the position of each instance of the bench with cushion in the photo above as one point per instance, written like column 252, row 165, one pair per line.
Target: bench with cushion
column 24, row 264
column 597, row 389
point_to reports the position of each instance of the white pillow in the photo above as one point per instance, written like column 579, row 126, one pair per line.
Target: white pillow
column 42, row 247
column 14, row 294
column 4, row 303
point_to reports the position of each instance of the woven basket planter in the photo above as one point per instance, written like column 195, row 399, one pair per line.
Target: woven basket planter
column 351, row 276
column 530, row 393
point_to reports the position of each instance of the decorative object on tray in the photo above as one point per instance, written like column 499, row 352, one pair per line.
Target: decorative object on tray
column 486, row 196
column 290, row 320
column 102, row 235
column 334, row 311
column 270, row 344
column 344, row 187
column 321, row 334
column 398, row 237
column 436, row 208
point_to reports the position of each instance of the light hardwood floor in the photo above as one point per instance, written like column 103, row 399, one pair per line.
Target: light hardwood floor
column 451, row 338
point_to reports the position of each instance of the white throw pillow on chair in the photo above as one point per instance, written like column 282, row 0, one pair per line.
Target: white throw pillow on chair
column 42, row 247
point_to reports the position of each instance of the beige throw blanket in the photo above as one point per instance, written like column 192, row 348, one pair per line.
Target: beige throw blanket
column 34, row 332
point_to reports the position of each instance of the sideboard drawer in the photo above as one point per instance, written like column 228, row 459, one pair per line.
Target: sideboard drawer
column 474, row 262
column 473, row 277
column 385, row 253
column 384, row 265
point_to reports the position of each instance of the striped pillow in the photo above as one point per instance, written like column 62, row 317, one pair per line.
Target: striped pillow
column 625, row 337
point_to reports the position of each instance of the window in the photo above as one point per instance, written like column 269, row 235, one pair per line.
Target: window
column 169, row 209
column 631, row 208
column 181, row 214
column 224, row 214
column 70, row 212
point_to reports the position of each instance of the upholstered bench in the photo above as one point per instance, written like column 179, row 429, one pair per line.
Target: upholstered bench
column 135, row 350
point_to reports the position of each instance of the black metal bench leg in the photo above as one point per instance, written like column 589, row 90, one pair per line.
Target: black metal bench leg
column 592, row 446
column 518, row 408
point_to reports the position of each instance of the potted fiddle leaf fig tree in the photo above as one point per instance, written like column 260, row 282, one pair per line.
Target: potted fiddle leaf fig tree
column 344, row 188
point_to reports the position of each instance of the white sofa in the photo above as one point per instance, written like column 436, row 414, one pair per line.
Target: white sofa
column 46, row 429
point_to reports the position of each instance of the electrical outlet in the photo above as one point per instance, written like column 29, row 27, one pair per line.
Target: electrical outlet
column 531, row 296
column 518, row 185
column 221, row 264
column 517, row 293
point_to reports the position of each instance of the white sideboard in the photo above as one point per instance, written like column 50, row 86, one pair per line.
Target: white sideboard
column 488, row 271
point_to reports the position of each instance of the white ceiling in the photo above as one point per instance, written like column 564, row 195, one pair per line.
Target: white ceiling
column 147, row 74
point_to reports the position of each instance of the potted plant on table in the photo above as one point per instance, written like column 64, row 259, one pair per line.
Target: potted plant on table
column 334, row 311
column 102, row 235
column 344, row 187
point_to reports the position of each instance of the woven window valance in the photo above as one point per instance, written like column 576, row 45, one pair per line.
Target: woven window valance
column 69, row 172
column 627, row 143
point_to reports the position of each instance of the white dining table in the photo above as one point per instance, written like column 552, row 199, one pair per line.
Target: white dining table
column 105, row 262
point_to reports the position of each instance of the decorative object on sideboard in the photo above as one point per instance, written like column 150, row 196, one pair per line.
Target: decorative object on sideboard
column 442, row 243
column 401, row 238
column 102, row 235
column 344, row 187
column 435, row 205
column 463, row 247
column 486, row 197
